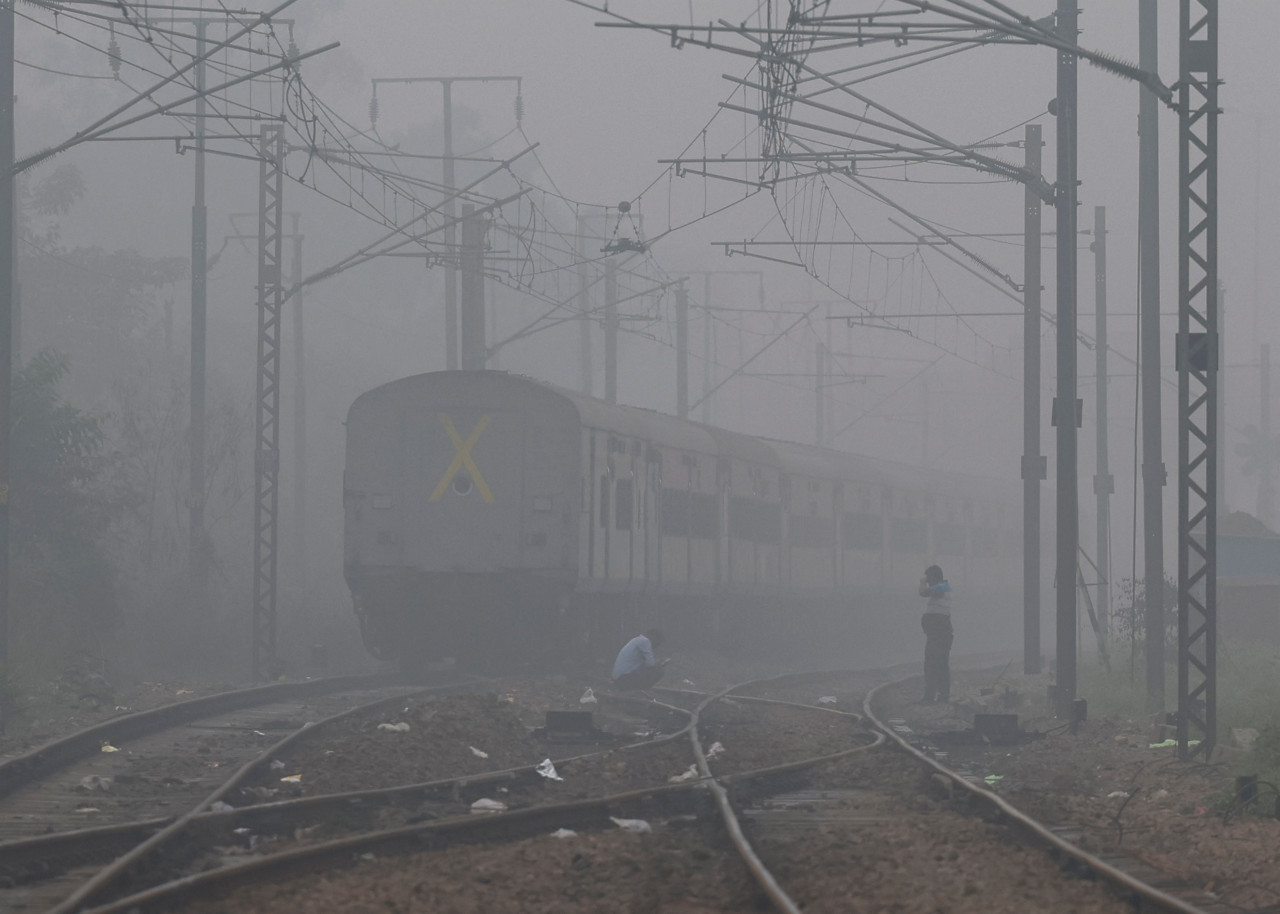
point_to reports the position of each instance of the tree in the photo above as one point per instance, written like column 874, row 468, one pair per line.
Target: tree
column 62, row 502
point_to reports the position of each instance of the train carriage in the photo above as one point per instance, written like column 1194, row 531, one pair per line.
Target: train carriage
column 491, row 514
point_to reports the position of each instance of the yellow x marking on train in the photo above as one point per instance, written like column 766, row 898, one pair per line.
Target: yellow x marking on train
column 462, row 458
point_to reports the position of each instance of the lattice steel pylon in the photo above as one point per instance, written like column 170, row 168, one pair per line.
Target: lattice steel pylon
column 1197, row 377
column 267, row 442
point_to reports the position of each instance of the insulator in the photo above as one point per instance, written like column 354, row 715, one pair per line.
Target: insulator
column 292, row 54
column 373, row 111
column 113, row 54
column 519, row 108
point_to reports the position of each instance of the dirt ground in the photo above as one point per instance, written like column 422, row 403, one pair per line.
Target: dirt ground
column 673, row 870
column 1118, row 793
column 897, row 847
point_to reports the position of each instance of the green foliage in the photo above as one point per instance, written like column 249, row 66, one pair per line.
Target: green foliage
column 1131, row 613
column 61, row 500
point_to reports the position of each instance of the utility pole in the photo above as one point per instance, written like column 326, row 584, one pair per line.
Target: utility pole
column 1066, row 410
column 819, row 390
column 1034, row 465
column 7, row 286
column 267, row 442
column 450, row 188
column 611, row 331
column 708, row 348
column 1153, row 470
column 299, row 415
column 682, row 350
column 1223, row 505
column 197, row 543
column 474, row 346
column 1266, row 494
column 585, row 368
column 450, row 235
column 1103, row 482
column 1198, row 378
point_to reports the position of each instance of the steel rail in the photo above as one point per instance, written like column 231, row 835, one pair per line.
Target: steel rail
column 1117, row 878
column 57, row 754
column 23, row 859
column 120, row 868
column 512, row 825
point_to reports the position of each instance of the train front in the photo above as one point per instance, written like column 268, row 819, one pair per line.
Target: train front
column 461, row 495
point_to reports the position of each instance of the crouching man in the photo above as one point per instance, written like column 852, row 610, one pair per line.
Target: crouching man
column 635, row 667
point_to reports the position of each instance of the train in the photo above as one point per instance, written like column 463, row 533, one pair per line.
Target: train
column 491, row 515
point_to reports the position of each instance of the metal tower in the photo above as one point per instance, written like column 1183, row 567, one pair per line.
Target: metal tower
column 1197, row 355
column 267, row 442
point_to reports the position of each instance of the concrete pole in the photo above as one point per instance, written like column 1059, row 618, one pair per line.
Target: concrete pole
column 1033, row 463
column 299, row 415
column 708, row 348
column 7, row 284
column 471, row 313
column 611, row 331
column 1103, row 481
column 819, row 391
column 1066, row 414
column 585, row 368
column 1153, row 472
column 1266, row 494
column 682, row 351
column 450, row 237
column 197, row 545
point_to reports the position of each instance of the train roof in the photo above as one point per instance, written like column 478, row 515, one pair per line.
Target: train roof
column 791, row 457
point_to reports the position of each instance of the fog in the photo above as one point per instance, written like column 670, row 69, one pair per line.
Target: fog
column 105, row 272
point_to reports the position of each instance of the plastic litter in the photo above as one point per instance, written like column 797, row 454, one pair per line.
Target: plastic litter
column 276, row 764
column 219, row 806
column 688, row 774
column 478, row 753
column 548, row 770
column 717, row 748
column 564, row 833
column 107, row 747
column 992, row 779
column 1168, row 743
column 486, row 805
column 635, row 826
column 588, row 698
column 827, row 700
column 258, row 733
column 401, row 727
column 260, row 793
column 291, row 779
column 87, row 809
column 97, row 782
column 1160, row 794
column 1117, row 794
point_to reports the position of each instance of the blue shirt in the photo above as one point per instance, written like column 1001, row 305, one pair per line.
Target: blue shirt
column 636, row 654
column 939, row 597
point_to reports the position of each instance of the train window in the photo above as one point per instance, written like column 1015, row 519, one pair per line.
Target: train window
column 758, row 521
column 625, row 502
column 673, row 512
column 908, row 534
column 948, row 539
column 863, row 530
column 704, row 516
column 809, row 532
column 604, row 500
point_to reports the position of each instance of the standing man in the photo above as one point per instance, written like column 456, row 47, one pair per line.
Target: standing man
column 938, row 633
column 635, row 667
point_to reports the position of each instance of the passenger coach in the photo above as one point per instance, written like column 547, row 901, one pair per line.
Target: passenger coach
column 491, row 514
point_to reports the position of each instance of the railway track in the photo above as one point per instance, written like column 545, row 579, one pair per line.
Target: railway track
column 77, row 800
column 754, row 803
